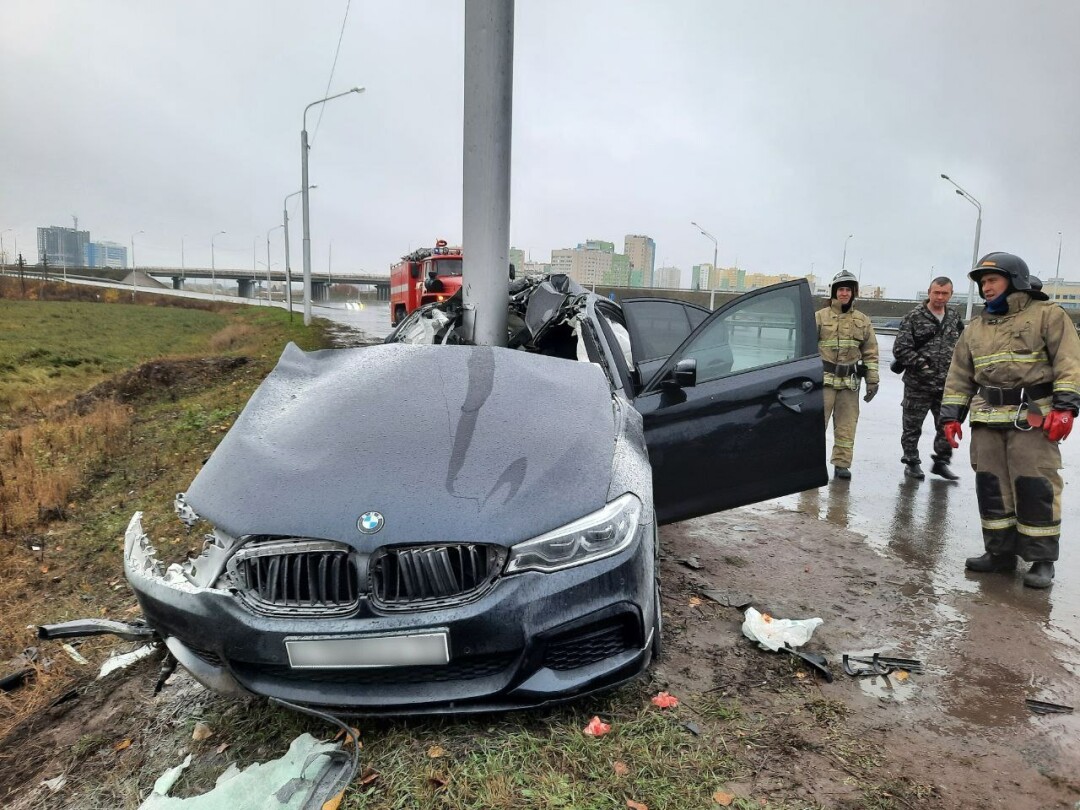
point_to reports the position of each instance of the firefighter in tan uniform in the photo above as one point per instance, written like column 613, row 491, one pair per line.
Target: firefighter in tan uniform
column 1016, row 370
column 849, row 352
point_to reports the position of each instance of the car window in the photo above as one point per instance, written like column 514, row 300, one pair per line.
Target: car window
column 758, row 332
column 661, row 328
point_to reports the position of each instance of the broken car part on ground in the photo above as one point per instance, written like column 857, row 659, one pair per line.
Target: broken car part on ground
column 429, row 526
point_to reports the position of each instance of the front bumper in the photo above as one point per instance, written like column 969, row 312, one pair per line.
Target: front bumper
column 532, row 640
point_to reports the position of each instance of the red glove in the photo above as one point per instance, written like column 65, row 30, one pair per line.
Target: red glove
column 953, row 433
column 1057, row 425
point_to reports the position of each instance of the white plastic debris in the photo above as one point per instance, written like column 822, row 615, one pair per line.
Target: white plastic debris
column 114, row 662
column 772, row 634
column 55, row 784
column 73, row 654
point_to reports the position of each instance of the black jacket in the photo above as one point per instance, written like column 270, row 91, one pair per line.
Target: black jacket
column 925, row 346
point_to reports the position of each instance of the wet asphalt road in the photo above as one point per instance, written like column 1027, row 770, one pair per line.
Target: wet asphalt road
column 932, row 524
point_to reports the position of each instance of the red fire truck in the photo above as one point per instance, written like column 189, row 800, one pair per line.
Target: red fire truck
column 424, row 276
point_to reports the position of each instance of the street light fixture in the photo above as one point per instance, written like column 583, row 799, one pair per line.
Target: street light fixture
column 288, row 265
column 1057, row 270
column 975, row 252
column 304, row 190
column 134, row 266
column 715, row 247
column 183, row 269
column 282, row 225
column 843, row 260
column 213, row 267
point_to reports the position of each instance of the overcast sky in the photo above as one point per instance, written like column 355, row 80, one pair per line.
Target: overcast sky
column 781, row 127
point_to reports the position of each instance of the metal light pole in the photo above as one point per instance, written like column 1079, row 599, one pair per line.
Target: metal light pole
column 268, row 259
column 1057, row 270
column 288, row 265
column 975, row 252
column 213, row 267
column 304, row 191
column 183, row 270
column 715, row 248
column 134, row 267
column 843, row 260
column 4, row 260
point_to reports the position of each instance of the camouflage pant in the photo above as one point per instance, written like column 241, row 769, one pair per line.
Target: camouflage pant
column 1018, row 485
column 842, row 407
column 916, row 406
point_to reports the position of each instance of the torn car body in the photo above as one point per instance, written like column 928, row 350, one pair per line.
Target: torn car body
column 429, row 526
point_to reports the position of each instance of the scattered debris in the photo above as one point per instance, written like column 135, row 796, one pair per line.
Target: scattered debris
column 664, row 700
column 308, row 772
column 122, row 745
column 693, row 728
column 73, row 654
column 636, row 805
column 620, row 768
column 727, row 598
column 880, row 665
column 10, row 683
column 115, row 662
column 816, row 661
column 691, row 562
column 723, row 798
column 201, row 732
column 436, row 751
column 96, row 627
column 55, row 784
column 1042, row 707
column 695, row 601
column 596, row 728
column 774, row 634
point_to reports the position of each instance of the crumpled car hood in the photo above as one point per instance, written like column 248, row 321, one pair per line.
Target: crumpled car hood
column 448, row 443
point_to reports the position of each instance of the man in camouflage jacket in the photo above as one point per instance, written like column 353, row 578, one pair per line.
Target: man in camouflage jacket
column 848, row 346
column 1016, row 370
column 924, row 346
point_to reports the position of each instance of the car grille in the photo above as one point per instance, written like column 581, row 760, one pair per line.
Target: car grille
column 432, row 576
column 480, row 666
column 583, row 648
column 297, row 577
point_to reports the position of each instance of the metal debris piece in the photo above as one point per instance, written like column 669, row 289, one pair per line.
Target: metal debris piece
column 185, row 513
column 96, row 627
column 691, row 562
column 693, row 728
column 880, row 665
column 9, row 683
column 816, row 661
column 1042, row 707
column 115, row 662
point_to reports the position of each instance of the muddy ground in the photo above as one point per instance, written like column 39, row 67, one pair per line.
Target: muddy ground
column 956, row 736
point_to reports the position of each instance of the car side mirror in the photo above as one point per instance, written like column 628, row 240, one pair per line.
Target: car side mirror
column 684, row 375
column 513, row 272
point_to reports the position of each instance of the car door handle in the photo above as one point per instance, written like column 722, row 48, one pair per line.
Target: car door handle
column 791, row 396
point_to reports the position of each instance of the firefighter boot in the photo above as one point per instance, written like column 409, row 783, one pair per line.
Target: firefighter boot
column 1041, row 574
column 843, row 473
column 942, row 468
column 913, row 469
column 992, row 563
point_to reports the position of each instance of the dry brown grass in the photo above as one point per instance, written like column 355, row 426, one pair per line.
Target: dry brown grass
column 43, row 462
column 233, row 337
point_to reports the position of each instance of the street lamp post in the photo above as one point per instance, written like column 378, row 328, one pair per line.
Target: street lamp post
column 282, row 225
column 843, row 260
column 304, row 191
column 213, row 267
column 183, row 269
column 15, row 237
column 715, row 247
column 975, row 252
column 134, row 266
column 288, row 265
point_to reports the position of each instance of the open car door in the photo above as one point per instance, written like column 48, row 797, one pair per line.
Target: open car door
column 734, row 415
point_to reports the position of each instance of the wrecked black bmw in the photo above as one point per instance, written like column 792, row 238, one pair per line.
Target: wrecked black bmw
column 428, row 526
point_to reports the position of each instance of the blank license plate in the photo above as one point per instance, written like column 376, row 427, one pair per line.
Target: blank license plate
column 422, row 649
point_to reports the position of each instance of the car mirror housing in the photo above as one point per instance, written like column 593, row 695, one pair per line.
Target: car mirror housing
column 683, row 375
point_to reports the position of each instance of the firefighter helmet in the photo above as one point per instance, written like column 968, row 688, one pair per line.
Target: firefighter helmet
column 845, row 278
column 1036, row 289
column 1012, row 267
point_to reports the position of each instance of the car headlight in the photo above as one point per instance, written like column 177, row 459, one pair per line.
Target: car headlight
column 593, row 537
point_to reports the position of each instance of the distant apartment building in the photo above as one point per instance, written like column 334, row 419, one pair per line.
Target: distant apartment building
column 871, row 291
column 1066, row 293
column 106, row 254
column 641, row 251
column 594, row 262
column 530, row 268
column 668, row 278
column 62, row 247
column 708, row 277
column 517, row 258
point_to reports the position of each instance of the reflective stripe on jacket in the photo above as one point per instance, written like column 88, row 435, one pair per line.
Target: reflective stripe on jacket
column 1033, row 343
column 843, row 339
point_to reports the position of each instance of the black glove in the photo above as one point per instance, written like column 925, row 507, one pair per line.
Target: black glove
column 871, row 392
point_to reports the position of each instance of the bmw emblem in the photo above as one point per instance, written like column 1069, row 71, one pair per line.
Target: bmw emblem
column 370, row 522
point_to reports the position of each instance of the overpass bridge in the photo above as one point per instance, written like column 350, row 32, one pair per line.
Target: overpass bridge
column 247, row 281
